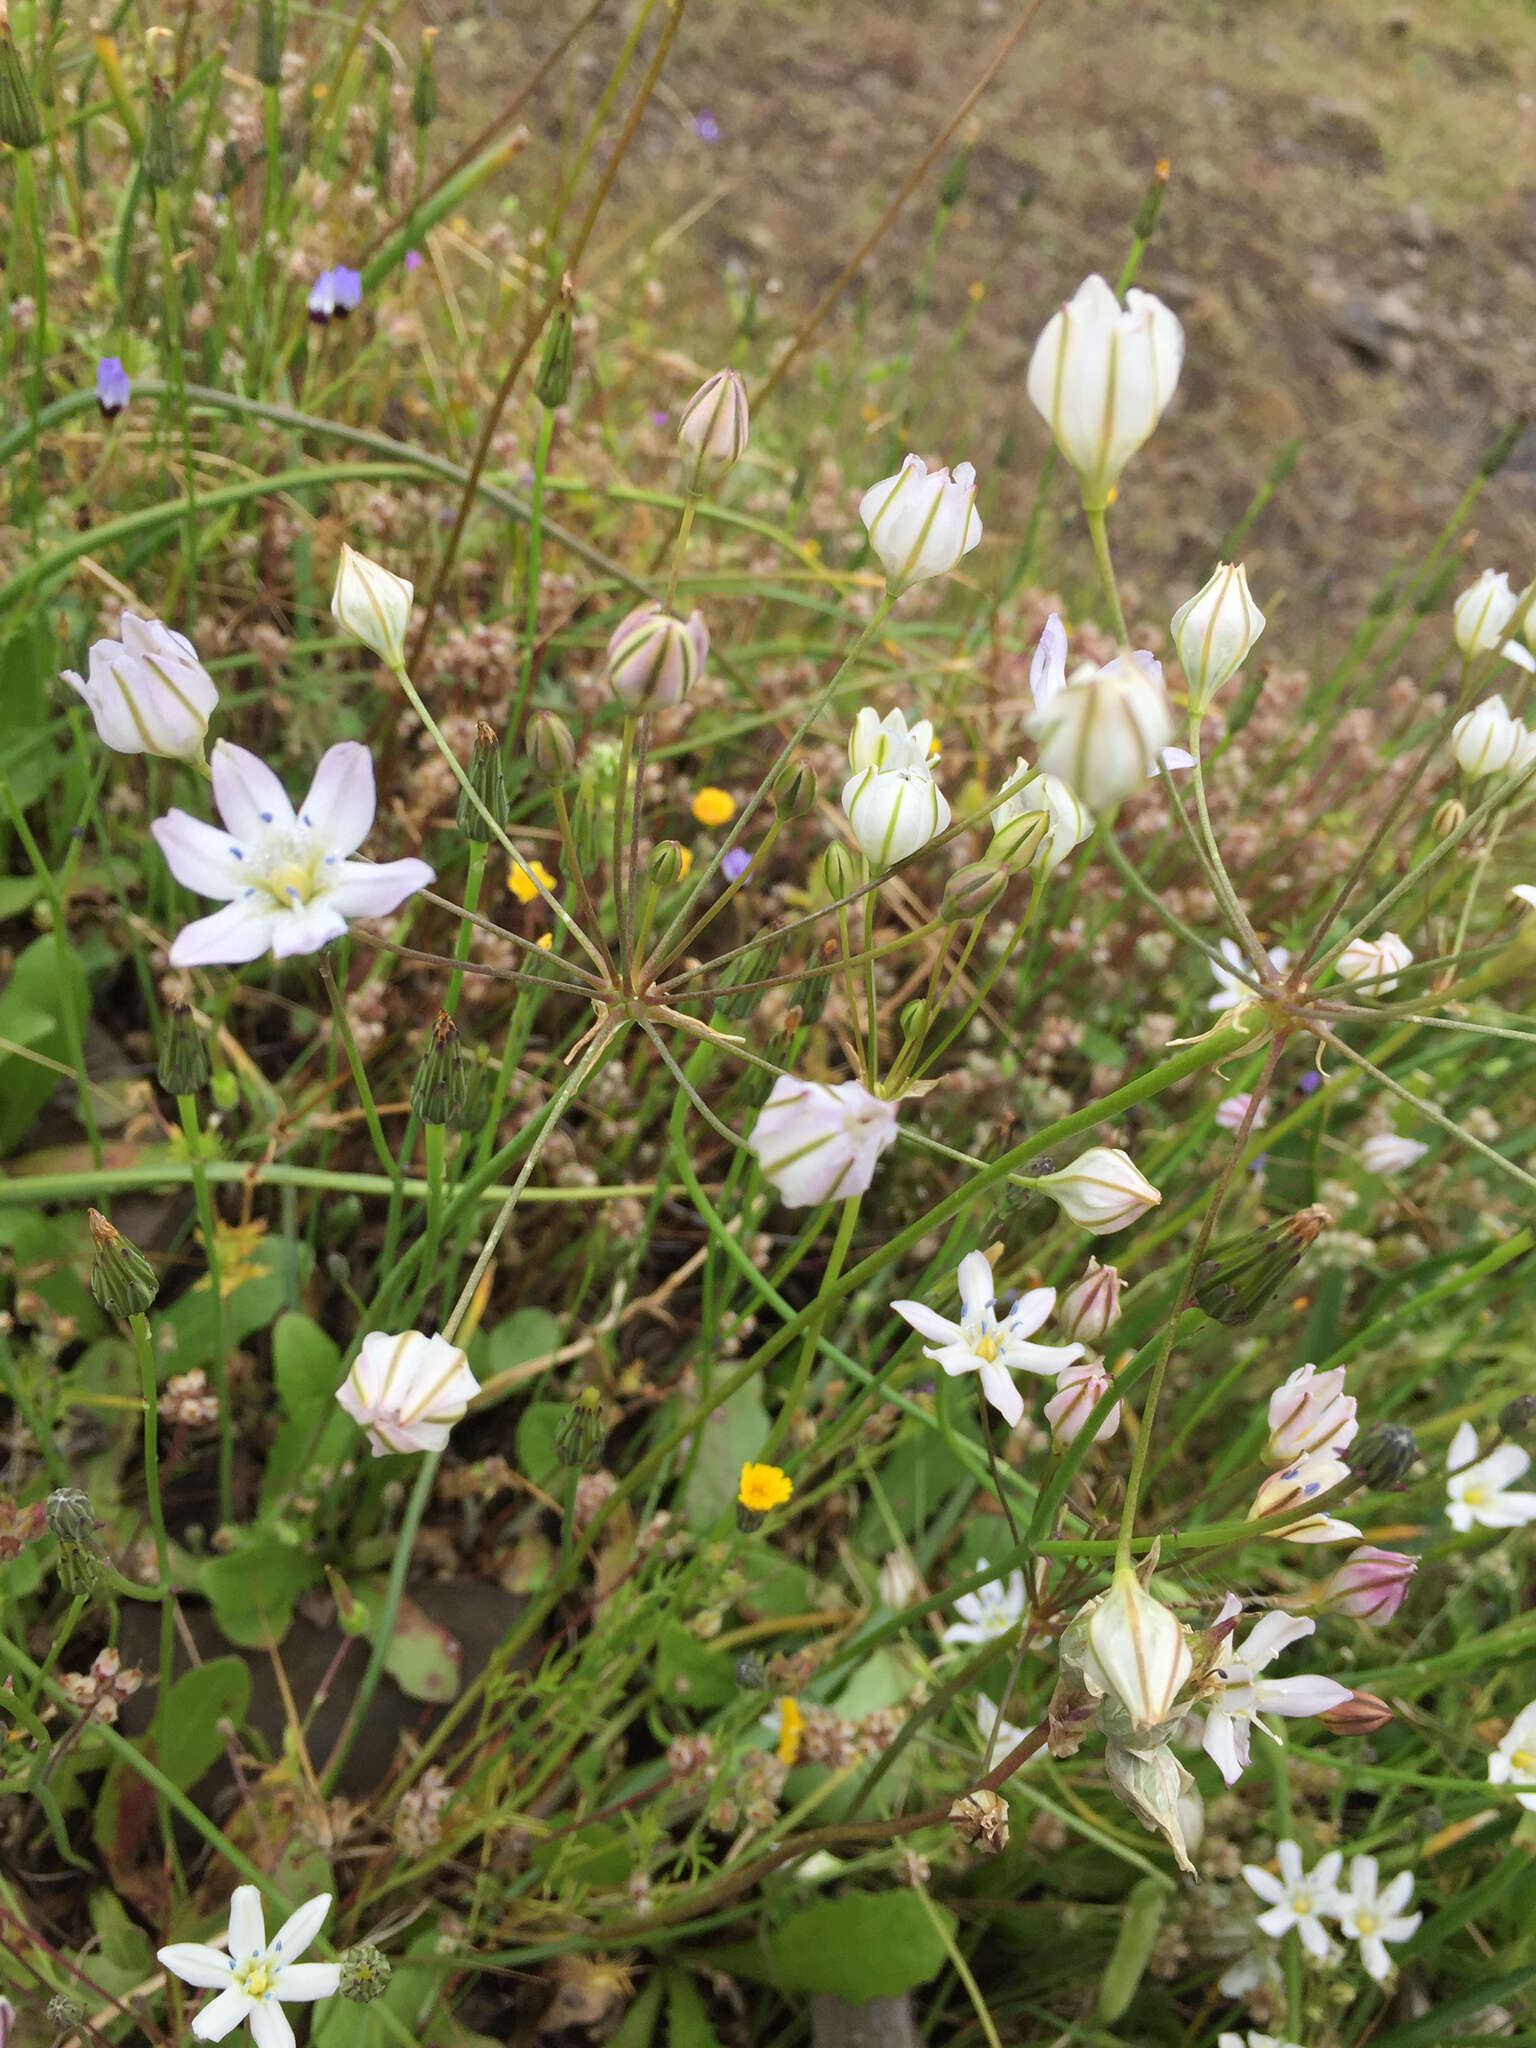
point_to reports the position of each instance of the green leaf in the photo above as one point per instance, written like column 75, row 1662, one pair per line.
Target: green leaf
column 534, row 1446
column 732, row 1434
column 526, row 1334
column 122, row 1956
column 187, row 1739
column 687, row 2021
column 636, row 2028
column 33, row 1006
column 306, row 1367
column 1133, row 1947
column 252, row 1589
column 862, row 1945
column 1437, row 2026
column 689, row 1672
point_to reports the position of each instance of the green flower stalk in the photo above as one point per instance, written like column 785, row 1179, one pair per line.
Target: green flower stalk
column 183, row 1068
column 1244, row 1274
column 489, row 784
column 21, row 125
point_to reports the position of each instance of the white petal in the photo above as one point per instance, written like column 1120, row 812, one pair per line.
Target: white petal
column 1395, row 1894
column 1463, row 1448
column 1506, row 1463
column 1277, row 1921
column 307, row 929
column 1002, row 1393
column 1267, row 1638
column 1220, row 1743
column 301, row 1983
column 975, row 1277
column 926, row 1323
column 200, row 856
column 195, row 1963
column 1308, row 1693
column 340, row 803
column 1314, row 1936
column 271, row 2026
column 359, row 888
column 1048, row 667
column 1030, row 1311
column 248, row 794
column 1288, row 1856
column 247, row 1926
column 300, row 1929
column 222, row 2016
column 1265, row 1883
column 239, row 932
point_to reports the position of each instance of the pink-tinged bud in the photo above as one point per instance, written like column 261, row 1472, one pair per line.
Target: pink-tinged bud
column 1361, row 1714
column 1370, row 1585
column 1079, row 1389
column 1091, row 1306
column 712, row 433
column 1102, row 1190
column 654, row 659
column 1310, row 1412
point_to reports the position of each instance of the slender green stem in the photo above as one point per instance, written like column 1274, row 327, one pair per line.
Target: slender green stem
column 474, row 875
column 790, row 1405
column 27, row 210
column 1098, row 531
column 1229, row 898
column 684, row 528
column 535, row 553
column 174, row 328
column 386, row 1157
column 207, row 1224
column 616, row 877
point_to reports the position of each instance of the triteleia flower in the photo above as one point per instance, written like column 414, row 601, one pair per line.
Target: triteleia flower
column 1079, row 1389
column 1038, row 822
column 891, row 799
column 1241, row 1697
column 1214, row 632
column 921, row 523
column 1102, row 1190
column 1233, row 1109
column 1137, row 1651
column 984, row 1343
column 1297, row 1897
column 1386, row 1152
column 112, row 388
column 655, row 658
column 257, row 1977
column 321, row 303
column 148, row 693
column 1375, row 962
column 1103, row 736
column 1478, row 1489
column 1297, row 1484
column 712, row 430
column 1372, row 1917
column 373, row 604
column 1514, row 1761
column 1486, row 741
column 1309, row 1411
column 814, row 1140
column 993, row 1610
column 1369, row 1585
column 1481, row 614
column 1100, row 377
column 346, row 290
column 1090, row 1307
column 1231, row 990
column 1252, row 2040
column 408, row 1391
column 286, row 876
column 1048, row 678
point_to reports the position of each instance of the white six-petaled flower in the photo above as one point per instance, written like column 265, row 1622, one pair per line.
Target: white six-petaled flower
column 1375, row 963
column 148, row 692
column 814, row 1140
column 985, row 1343
column 286, row 877
column 408, row 1391
column 993, row 1610
column 1100, row 375
column 921, row 522
column 891, row 799
column 257, row 1977
column 1374, row 1917
column 1478, row 1489
column 1242, row 1697
column 1303, row 1480
column 1514, row 1761
column 1297, row 1897
column 1386, row 1152
column 1231, row 989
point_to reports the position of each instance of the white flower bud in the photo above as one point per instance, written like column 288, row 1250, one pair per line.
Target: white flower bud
column 1214, row 631
column 1079, row 1389
column 920, row 524
column 148, row 692
column 712, row 433
column 407, row 1392
column 1487, row 740
column 1039, row 824
column 655, row 658
column 1385, row 1152
column 1377, row 962
column 1090, row 1308
column 814, row 1140
column 372, row 604
column 1481, row 614
column 891, row 799
column 1104, row 735
column 1138, row 1650
column 1100, row 377
column 1103, row 1190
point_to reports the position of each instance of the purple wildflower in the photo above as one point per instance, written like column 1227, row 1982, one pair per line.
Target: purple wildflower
column 1310, row 1081
column 413, row 259
column 734, row 864
column 322, row 297
column 346, row 289
column 111, row 387
column 705, row 126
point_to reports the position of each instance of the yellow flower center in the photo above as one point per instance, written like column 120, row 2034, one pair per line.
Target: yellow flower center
column 291, row 882
column 1366, row 1922
column 255, row 1978
column 986, row 1348
column 1524, row 1761
column 1474, row 1496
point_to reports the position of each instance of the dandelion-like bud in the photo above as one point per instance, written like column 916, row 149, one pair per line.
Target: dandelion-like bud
column 580, row 1435
column 750, row 1672
column 1101, row 376
column 1517, row 1418
column 794, row 793
column 440, row 1084
column 365, row 1973
column 972, row 891
column 1214, row 632
column 64, row 2012
column 1363, row 1713
column 763, row 1488
column 162, row 151
column 980, row 1820
column 1139, row 1649
column 183, row 1068
column 489, row 783
column 1384, row 1455
column 552, row 382
column 550, row 749
column 921, row 525
column 1242, row 1275
column 122, row 1279
column 70, row 1518
column 372, row 604
column 424, row 85
column 269, row 43
column 1103, row 1190
column 21, row 125
column 655, row 658
column 1090, row 1308
column 712, row 431
column 957, row 174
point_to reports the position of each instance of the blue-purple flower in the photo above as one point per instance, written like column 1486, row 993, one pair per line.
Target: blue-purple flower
column 112, row 388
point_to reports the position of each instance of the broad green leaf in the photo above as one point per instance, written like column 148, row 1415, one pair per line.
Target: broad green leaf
column 306, row 1367
column 1133, row 1947
column 33, row 1005
column 687, row 2021
column 252, row 1589
column 733, row 1434
column 187, row 1739
column 862, row 1945
column 534, row 1447
column 637, row 2028
column 526, row 1334
column 689, row 1672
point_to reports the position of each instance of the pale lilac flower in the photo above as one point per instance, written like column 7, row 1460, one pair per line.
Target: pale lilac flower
column 1079, row 1389
column 148, row 693
column 1375, row 963
column 654, row 657
column 921, row 523
column 408, row 1391
column 734, row 865
column 1230, row 1113
column 705, row 126
column 112, row 389
column 413, row 259
column 1231, row 990
column 321, row 303
column 257, row 1977
column 1372, row 1917
column 286, row 876
column 1370, row 1585
column 982, row 1342
column 346, row 290
column 1309, row 1412
column 1243, row 1697
column 1514, row 1761
column 1478, row 1492
column 1385, row 1152
column 993, row 1610
column 814, row 1140
column 1048, row 678
column 1486, row 740
column 1297, row 1484
column 1298, row 1898
column 1090, row 1307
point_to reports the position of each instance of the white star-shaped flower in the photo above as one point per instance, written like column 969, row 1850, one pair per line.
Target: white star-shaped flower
column 984, row 1343
column 1234, row 1711
column 1231, row 988
column 1478, row 1492
column 257, row 1977
column 991, row 1611
column 1298, row 1898
column 1514, row 1761
column 1372, row 1917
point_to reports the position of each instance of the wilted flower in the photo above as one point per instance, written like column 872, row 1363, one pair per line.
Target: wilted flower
column 1514, row 1761
column 1372, row 1917
column 148, row 693
column 407, row 1391
column 1214, row 632
column 1309, row 1411
column 1090, row 1307
column 256, row 1978
column 891, row 799
column 1079, row 1389
column 1298, row 1898
column 100, row 1691
column 1231, row 990
column 655, row 658
column 1486, row 741
column 373, row 604
column 898, row 1581
column 1241, row 1696
column 984, row 1343
column 1377, row 962
column 1385, row 1152
column 920, row 525
column 112, row 387
column 712, row 429
column 814, row 1140
column 980, row 1820
column 1102, row 1189
column 287, row 876
column 1370, row 1585
column 1478, row 1488
column 1105, row 735
column 1039, row 822
column 1297, row 1484
column 993, row 1610
column 1137, row 1651
column 1100, row 377
column 1481, row 614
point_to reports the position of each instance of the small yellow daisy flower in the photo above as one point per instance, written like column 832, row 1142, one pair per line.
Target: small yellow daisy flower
column 713, row 806
column 523, row 878
column 763, row 1487
column 791, row 1728
column 545, row 939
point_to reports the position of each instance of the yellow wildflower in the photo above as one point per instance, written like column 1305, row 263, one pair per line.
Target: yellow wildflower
column 545, row 939
column 523, row 879
column 791, row 1728
column 713, row 806
column 686, row 862
column 763, row 1487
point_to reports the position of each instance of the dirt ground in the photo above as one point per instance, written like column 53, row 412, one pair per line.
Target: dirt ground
column 1348, row 238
